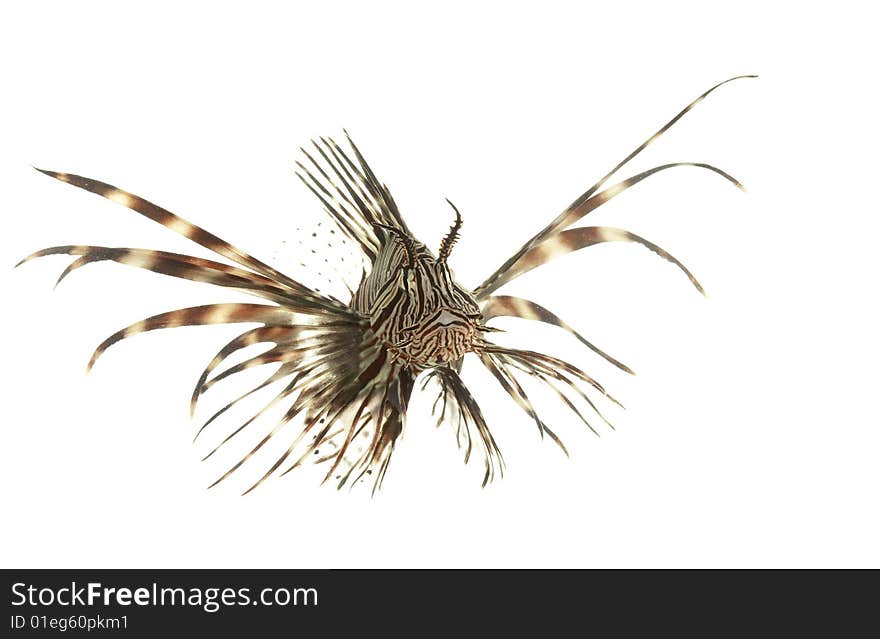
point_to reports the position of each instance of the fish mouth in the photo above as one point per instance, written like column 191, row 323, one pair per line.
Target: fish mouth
column 444, row 336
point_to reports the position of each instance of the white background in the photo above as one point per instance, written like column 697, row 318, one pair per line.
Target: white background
column 751, row 431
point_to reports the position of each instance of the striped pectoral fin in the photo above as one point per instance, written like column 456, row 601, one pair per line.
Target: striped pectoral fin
column 578, row 210
column 509, row 306
column 464, row 412
column 587, row 201
column 514, row 389
column 302, row 404
column 581, row 207
column 259, row 335
column 549, row 371
column 657, row 134
column 198, row 315
column 578, row 238
column 351, row 428
column 173, row 222
column 563, row 220
column 328, row 393
column 285, row 370
column 553, row 366
column 326, row 415
column 289, row 415
column 274, row 355
column 572, row 214
column 172, row 264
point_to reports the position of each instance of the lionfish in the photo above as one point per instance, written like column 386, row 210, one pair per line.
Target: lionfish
column 348, row 369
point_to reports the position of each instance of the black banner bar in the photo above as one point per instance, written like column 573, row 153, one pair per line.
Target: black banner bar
column 417, row 602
